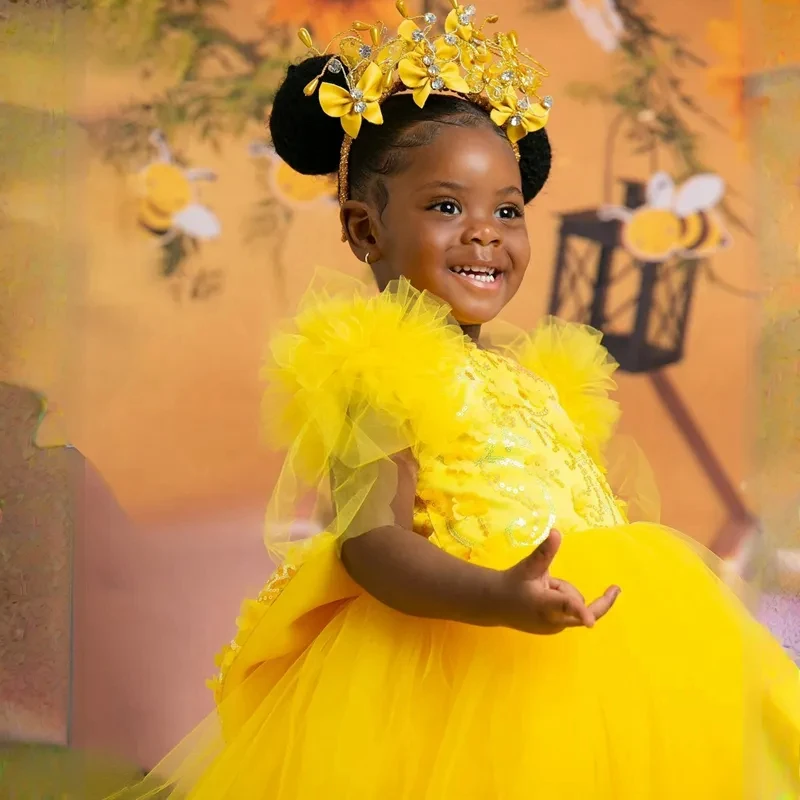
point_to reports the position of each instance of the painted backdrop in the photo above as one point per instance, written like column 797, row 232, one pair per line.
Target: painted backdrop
column 150, row 240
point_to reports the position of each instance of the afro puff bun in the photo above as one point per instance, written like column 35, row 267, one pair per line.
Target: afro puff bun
column 535, row 158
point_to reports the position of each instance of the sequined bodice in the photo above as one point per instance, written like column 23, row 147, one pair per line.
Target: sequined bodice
column 520, row 469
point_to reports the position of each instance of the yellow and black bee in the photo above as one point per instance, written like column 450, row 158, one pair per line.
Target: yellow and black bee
column 167, row 203
column 291, row 187
column 672, row 221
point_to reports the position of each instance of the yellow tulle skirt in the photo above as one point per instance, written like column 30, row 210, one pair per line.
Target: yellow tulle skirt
column 678, row 694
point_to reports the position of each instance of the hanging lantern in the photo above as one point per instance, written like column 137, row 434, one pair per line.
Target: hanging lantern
column 631, row 276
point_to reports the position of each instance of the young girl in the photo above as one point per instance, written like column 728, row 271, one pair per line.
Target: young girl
column 435, row 641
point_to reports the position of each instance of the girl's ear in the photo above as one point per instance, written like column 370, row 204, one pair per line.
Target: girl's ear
column 359, row 228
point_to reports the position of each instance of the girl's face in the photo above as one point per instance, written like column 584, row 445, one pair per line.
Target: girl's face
column 454, row 224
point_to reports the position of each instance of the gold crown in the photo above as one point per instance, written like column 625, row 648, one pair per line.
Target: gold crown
column 491, row 71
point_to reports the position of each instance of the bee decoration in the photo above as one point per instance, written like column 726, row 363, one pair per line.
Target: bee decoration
column 291, row 187
column 284, row 193
column 168, row 205
column 674, row 220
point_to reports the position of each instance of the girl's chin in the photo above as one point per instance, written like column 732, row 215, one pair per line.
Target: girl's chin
column 471, row 317
column 471, row 302
column 469, row 310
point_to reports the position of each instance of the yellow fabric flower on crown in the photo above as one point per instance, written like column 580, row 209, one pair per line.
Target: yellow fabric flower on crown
column 352, row 106
column 478, row 65
column 519, row 116
column 459, row 22
column 411, row 33
column 427, row 70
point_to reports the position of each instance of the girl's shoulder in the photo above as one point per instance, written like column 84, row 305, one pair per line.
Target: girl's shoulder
column 573, row 360
column 385, row 361
column 355, row 364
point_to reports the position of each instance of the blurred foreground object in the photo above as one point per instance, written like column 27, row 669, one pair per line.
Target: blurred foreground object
column 35, row 575
column 36, row 772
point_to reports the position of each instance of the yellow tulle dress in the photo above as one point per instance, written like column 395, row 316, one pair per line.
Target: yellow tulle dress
column 324, row 693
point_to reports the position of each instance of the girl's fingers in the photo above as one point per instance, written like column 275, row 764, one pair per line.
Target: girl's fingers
column 561, row 621
column 573, row 603
column 600, row 607
column 568, row 606
column 566, row 588
column 538, row 562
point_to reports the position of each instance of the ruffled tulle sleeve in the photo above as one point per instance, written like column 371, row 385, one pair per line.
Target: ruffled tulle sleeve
column 357, row 379
column 572, row 359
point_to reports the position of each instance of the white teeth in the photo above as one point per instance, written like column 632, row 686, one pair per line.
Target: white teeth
column 480, row 274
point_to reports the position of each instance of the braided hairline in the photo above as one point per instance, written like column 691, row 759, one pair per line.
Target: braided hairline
column 397, row 87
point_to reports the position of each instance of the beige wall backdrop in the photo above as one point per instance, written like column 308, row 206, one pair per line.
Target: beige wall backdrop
column 161, row 392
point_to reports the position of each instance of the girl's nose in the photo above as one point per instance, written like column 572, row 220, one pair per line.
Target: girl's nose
column 483, row 233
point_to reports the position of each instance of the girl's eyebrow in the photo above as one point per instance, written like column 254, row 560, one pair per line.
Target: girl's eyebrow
column 454, row 186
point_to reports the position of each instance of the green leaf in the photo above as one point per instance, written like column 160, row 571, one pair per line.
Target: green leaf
column 173, row 254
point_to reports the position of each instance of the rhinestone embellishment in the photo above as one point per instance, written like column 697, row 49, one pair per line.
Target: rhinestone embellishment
column 465, row 17
column 365, row 51
column 437, row 84
column 359, row 107
column 523, row 104
column 547, row 102
column 430, row 18
column 515, row 120
column 417, row 35
column 450, row 38
column 334, row 65
column 433, row 70
column 357, row 94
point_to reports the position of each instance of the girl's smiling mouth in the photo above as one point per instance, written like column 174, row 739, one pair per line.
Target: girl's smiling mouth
column 483, row 276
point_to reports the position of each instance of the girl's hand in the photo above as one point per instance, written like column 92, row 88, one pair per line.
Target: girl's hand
column 534, row 602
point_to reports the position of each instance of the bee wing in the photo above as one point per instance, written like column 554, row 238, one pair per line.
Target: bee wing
column 594, row 23
column 597, row 27
column 660, row 190
column 197, row 221
column 261, row 149
column 200, row 174
column 607, row 213
column 613, row 17
column 699, row 192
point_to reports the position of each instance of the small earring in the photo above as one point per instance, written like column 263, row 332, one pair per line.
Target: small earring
column 366, row 259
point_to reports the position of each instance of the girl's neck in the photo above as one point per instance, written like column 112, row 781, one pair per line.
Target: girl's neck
column 383, row 278
column 472, row 332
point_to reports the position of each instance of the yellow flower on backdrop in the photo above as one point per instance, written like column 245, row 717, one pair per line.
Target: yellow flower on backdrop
column 324, row 18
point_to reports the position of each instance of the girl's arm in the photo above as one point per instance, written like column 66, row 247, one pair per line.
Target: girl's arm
column 406, row 572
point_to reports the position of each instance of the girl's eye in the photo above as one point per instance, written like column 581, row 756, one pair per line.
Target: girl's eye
column 449, row 207
column 509, row 212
